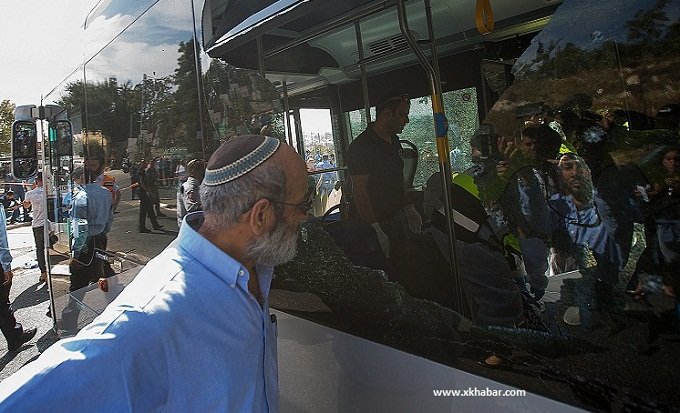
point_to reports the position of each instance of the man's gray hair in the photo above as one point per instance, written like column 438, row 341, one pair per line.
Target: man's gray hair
column 228, row 201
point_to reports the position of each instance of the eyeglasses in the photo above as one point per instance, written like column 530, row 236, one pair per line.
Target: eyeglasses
column 304, row 207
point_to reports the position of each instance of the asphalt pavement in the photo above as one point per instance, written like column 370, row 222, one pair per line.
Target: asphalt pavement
column 30, row 298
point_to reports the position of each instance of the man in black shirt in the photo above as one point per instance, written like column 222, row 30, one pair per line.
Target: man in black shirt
column 145, row 201
column 376, row 171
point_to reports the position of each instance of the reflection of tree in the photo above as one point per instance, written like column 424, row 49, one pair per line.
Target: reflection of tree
column 235, row 95
column 183, row 119
column 6, row 119
column 166, row 107
column 107, row 104
column 647, row 25
column 649, row 34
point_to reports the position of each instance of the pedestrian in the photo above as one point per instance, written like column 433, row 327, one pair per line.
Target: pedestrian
column 193, row 331
column 145, row 199
column 134, row 180
column 14, row 333
column 152, row 182
column 188, row 193
column 11, row 205
column 93, row 203
column 95, row 165
column 35, row 199
column 19, row 194
column 180, row 173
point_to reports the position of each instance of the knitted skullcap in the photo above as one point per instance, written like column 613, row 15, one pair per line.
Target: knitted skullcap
column 238, row 156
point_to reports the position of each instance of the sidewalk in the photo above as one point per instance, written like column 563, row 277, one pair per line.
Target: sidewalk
column 30, row 298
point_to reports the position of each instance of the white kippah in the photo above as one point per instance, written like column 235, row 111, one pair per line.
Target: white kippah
column 238, row 156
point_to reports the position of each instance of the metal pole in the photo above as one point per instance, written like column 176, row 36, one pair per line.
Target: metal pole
column 298, row 131
column 286, row 110
column 141, row 116
column 441, row 127
column 199, row 89
column 364, row 79
column 260, row 55
column 46, row 226
column 86, row 138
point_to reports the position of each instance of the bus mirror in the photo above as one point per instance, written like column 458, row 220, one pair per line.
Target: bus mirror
column 24, row 149
column 63, row 137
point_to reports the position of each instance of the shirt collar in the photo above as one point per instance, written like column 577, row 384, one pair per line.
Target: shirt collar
column 217, row 261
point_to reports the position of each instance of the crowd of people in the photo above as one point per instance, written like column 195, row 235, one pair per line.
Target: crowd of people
column 325, row 186
column 557, row 192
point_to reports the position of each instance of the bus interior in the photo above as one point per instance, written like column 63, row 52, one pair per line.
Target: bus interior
column 345, row 56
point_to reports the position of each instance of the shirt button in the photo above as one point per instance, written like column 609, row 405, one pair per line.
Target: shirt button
column 240, row 273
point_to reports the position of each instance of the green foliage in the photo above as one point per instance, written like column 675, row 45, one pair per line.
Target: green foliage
column 6, row 119
column 650, row 37
column 166, row 108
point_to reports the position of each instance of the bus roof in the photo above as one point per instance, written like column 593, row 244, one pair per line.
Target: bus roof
column 312, row 39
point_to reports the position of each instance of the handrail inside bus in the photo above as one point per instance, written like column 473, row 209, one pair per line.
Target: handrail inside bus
column 441, row 127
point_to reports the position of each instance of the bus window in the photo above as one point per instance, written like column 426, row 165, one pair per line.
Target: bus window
column 461, row 110
column 571, row 163
column 320, row 154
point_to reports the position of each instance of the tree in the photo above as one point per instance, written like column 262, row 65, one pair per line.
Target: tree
column 647, row 26
column 6, row 119
column 183, row 122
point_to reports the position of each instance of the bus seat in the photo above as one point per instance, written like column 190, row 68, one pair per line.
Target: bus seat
column 409, row 153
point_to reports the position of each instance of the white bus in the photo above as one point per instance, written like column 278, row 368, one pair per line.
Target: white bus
column 359, row 333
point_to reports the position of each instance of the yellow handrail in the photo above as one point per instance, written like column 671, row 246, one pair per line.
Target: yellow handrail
column 484, row 16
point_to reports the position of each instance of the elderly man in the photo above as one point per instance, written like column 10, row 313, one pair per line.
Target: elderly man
column 193, row 331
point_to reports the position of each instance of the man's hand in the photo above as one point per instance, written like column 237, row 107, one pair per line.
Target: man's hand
column 8, row 277
column 415, row 222
column 383, row 239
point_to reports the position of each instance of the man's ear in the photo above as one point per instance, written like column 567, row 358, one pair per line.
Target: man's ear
column 261, row 216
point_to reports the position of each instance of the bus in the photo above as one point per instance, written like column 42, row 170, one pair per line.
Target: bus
column 493, row 86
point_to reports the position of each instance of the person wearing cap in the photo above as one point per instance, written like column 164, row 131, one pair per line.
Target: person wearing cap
column 188, row 193
column 376, row 171
column 35, row 198
column 193, row 331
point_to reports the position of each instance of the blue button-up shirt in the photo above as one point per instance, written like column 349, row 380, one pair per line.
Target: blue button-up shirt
column 5, row 255
column 186, row 335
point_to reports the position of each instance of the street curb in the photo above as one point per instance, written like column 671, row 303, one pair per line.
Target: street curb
column 18, row 225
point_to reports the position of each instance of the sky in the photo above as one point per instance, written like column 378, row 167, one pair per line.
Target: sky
column 40, row 46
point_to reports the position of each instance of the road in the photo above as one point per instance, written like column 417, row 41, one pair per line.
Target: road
column 30, row 299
